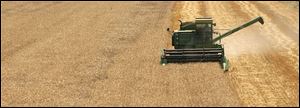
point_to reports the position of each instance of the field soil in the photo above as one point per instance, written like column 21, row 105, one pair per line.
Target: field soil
column 108, row 54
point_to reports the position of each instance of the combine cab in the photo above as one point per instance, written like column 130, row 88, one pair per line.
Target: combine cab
column 194, row 42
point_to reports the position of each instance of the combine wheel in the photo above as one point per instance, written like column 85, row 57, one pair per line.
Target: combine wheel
column 225, row 64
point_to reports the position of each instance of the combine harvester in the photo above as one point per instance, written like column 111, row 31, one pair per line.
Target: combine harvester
column 194, row 42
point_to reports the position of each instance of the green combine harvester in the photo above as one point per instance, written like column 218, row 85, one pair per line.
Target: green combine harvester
column 194, row 42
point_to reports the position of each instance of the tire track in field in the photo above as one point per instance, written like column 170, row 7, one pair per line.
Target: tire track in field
column 203, row 12
column 190, row 11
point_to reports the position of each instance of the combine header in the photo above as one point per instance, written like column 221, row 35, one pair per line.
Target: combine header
column 194, row 42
